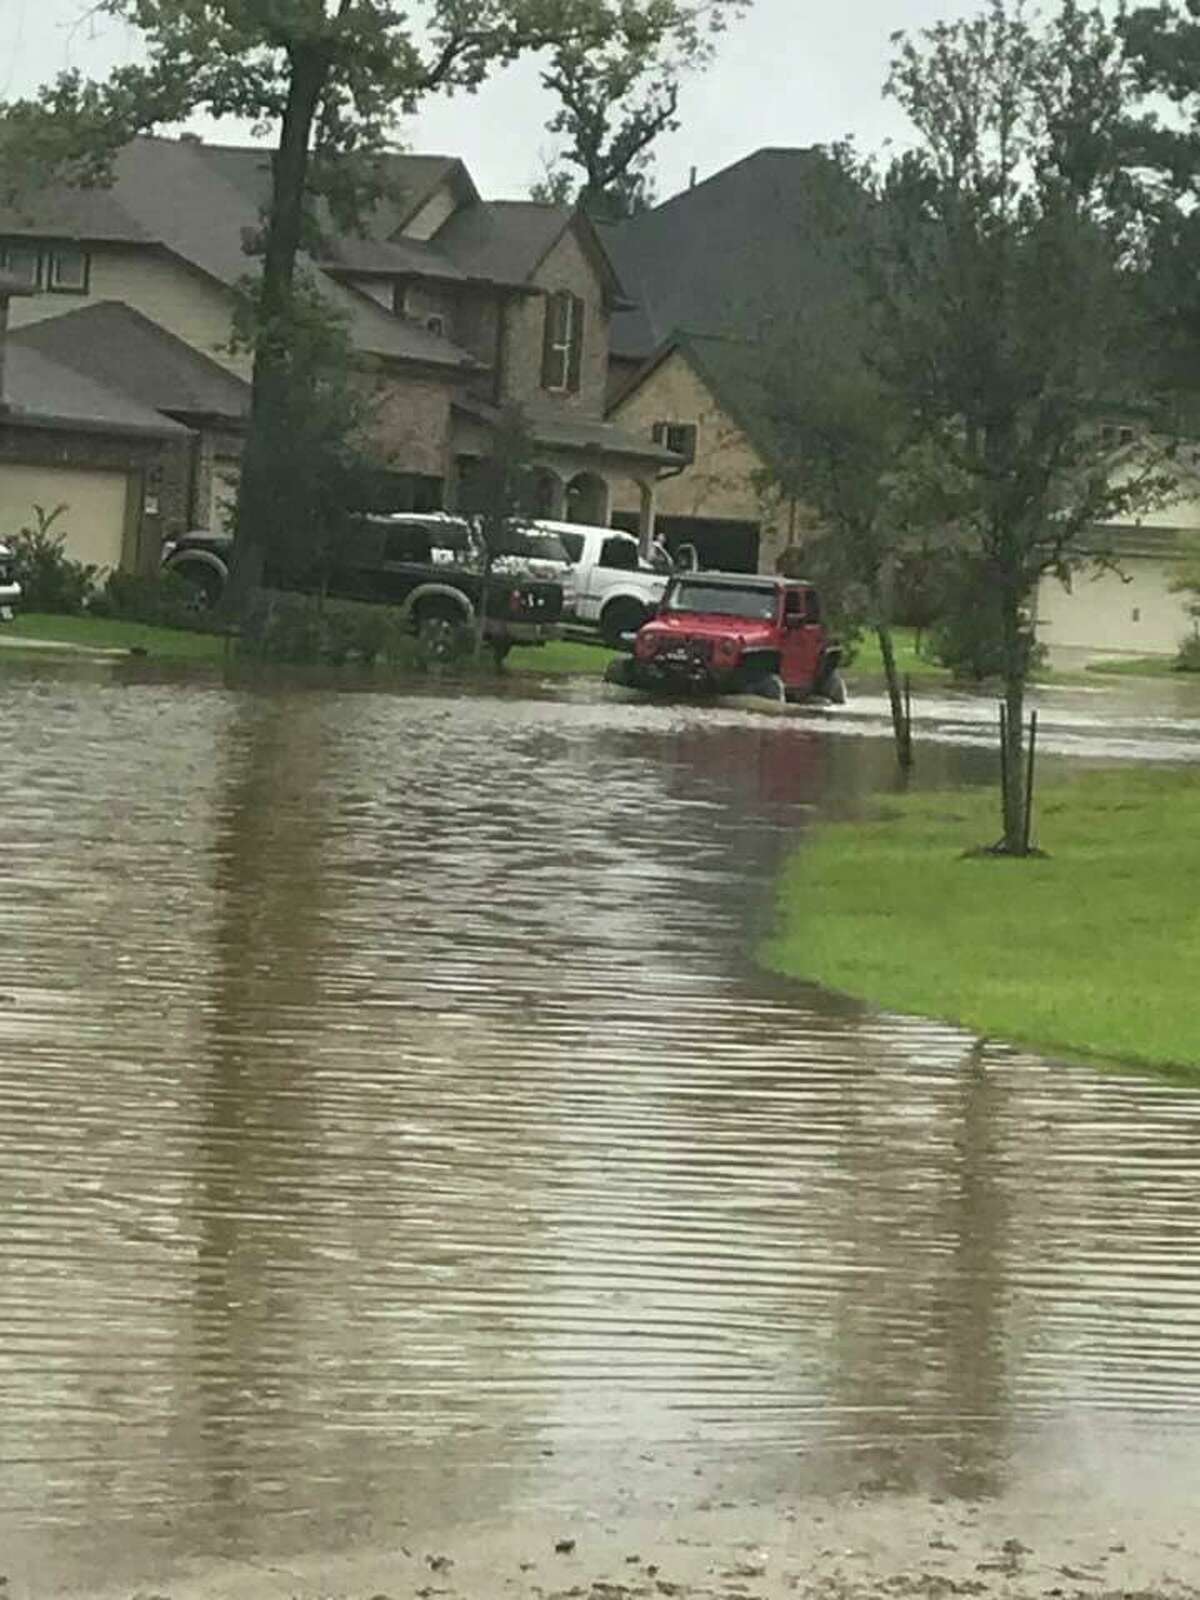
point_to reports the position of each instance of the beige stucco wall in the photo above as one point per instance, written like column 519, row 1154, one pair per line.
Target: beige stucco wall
column 566, row 267
column 187, row 303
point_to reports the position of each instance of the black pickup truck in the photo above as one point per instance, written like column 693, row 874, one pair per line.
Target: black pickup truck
column 426, row 566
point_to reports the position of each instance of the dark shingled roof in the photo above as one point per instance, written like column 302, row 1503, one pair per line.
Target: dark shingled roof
column 200, row 202
column 124, row 351
column 41, row 392
column 503, row 240
column 387, row 257
column 562, row 431
column 733, row 253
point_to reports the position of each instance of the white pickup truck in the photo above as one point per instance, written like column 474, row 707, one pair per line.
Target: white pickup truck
column 608, row 584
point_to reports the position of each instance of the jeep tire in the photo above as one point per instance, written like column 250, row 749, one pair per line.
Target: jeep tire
column 834, row 688
column 767, row 687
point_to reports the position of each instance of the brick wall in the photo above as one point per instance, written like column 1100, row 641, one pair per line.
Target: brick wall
column 412, row 424
column 566, row 267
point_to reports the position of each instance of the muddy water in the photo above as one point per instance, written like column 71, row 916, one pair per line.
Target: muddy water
column 393, row 1124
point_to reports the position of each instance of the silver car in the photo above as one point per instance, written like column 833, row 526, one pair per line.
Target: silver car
column 10, row 589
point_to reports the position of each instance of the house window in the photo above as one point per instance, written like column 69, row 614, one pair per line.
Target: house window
column 562, row 348
column 67, row 271
column 23, row 262
column 63, row 269
column 679, row 437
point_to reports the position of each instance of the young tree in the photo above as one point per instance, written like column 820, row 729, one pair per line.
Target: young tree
column 1006, row 300
column 499, row 493
column 616, row 75
column 846, row 450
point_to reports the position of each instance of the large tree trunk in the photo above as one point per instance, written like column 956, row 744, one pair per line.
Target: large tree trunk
column 268, row 404
column 900, row 728
column 1016, row 661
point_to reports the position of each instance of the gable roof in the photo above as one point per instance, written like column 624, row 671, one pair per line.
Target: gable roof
column 504, row 240
column 735, row 251
column 201, row 203
column 117, row 347
column 43, row 393
column 732, row 371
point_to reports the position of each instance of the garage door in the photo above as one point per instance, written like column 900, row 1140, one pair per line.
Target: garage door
column 94, row 521
column 1135, row 611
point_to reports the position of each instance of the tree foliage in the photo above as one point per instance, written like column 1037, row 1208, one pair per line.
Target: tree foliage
column 1007, row 301
column 616, row 74
column 846, row 450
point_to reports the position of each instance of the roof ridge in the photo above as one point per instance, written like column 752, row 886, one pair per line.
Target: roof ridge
column 725, row 172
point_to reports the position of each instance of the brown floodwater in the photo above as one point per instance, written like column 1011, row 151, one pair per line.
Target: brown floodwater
column 392, row 1116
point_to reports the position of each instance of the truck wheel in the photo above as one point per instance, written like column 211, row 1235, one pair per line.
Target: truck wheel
column 619, row 617
column 205, row 584
column 768, row 687
column 441, row 635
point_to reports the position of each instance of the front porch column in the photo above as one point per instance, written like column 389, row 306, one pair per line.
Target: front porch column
column 646, row 518
column 556, row 495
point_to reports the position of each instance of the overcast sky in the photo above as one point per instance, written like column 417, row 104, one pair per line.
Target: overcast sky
column 793, row 72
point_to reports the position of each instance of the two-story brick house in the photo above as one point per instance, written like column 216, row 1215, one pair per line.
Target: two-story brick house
column 455, row 306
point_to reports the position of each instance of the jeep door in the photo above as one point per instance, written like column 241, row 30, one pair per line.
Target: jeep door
column 801, row 639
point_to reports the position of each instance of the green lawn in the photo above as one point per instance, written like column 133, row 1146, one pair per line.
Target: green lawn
column 1093, row 951
column 868, row 661
column 1137, row 667
column 562, row 656
column 99, row 633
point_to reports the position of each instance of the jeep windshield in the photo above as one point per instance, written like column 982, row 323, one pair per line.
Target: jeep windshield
column 722, row 600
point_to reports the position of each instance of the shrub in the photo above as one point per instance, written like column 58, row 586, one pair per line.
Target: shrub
column 309, row 630
column 1188, row 659
column 50, row 579
column 165, row 600
column 968, row 636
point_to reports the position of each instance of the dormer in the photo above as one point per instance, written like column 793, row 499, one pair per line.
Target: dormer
column 432, row 207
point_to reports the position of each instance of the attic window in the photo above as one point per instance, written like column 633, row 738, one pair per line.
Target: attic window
column 63, row 269
column 67, row 271
column 679, row 437
column 23, row 262
column 562, row 347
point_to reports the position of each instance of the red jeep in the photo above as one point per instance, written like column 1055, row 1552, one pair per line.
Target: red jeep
column 729, row 633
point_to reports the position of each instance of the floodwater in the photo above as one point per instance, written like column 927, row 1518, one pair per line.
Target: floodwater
column 392, row 1117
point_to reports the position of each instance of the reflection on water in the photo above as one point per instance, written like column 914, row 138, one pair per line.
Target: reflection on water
column 386, row 1095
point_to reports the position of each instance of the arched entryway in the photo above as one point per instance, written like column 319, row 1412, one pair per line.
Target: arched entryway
column 546, row 495
column 588, row 499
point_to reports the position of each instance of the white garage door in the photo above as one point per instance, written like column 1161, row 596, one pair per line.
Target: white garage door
column 1136, row 611
column 94, row 519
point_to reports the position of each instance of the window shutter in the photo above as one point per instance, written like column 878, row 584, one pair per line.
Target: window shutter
column 551, row 369
column 575, row 361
